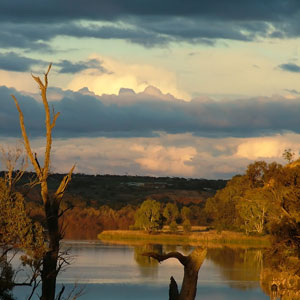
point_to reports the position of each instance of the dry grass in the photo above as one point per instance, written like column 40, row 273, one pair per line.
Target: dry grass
column 197, row 236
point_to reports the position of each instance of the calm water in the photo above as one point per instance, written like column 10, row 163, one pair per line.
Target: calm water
column 120, row 272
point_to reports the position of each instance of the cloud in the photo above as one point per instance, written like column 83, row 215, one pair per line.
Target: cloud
column 67, row 66
column 260, row 148
column 165, row 155
column 159, row 159
column 12, row 61
column 55, row 10
column 31, row 25
column 129, row 75
column 290, row 67
column 149, row 113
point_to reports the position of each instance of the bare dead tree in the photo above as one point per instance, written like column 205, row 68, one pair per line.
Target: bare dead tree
column 192, row 264
column 51, row 202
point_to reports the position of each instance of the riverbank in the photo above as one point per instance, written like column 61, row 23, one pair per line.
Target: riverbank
column 211, row 236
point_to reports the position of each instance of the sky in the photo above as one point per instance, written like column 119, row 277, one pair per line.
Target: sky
column 196, row 89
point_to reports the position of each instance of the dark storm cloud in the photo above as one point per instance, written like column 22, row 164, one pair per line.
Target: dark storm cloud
column 12, row 61
column 32, row 24
column 54, row 10
column 144, row 114
column 67, row 66
column 290, row 68
column 37, row 38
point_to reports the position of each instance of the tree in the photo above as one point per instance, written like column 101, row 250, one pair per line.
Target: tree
column 17, row 230
column 186, row 213
column 253, row 209
column 170, row 212
column 148, row 216
column 288, row 155
column 51, row 261
column 222, row 207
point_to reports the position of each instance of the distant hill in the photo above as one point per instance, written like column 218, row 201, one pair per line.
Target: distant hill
column 118, row 191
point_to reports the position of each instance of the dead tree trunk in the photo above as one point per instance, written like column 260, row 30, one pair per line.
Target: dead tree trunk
column 192, row 264
column 51, row 266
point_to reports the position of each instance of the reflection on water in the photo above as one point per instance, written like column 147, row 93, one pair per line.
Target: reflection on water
column 240, row 267
column 119, row 272
column 147, row 265
column 280, row 278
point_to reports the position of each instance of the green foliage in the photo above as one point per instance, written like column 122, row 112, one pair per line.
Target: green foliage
column 170, row 212
column 148, row 216
column 173, row 226
column 253, row 208
column 264, row 200
column 222, row 207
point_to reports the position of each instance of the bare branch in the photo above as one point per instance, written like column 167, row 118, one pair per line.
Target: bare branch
column 63, row 185
column 161, row 257
column 54, row 119
column 46, row 75
column 60, row 293
column 26, row 139
column 39, row 82
column 55, row 116
column 64, row 211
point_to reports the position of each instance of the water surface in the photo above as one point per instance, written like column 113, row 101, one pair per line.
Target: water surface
column 112, row 272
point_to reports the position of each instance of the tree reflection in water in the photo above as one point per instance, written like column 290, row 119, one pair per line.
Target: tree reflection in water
column 280, row 278
column 144, row 262
column 240, row 266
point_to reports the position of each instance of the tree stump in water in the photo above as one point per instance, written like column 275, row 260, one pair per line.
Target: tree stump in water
column 192, row 264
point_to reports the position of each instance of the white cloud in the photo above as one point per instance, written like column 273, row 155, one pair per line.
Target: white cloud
column 268, row 147
column 126, row 75
column 260, row 148
column 173, row 160
column 182, row 155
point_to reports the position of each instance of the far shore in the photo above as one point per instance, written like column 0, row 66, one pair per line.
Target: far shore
column 194, row 237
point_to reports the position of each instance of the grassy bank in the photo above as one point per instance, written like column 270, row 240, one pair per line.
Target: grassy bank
column 226, row 237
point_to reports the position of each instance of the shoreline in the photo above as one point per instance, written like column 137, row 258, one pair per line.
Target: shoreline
column 209, row 237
